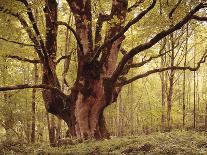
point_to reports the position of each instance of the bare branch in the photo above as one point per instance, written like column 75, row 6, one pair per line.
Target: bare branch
column 203, row 19
column 99, row 24
column 27, row 29
column 63, row 57
column 15, row 42
column 136, row 4
column 158, row 70
column 154, row 40
column 73, row 31
column 174, row 8
column 124, row 29
column 154, row 57
column 25, row 86
column 147, row 60
column 123, row 51
column 34, row 25
column 23, row 59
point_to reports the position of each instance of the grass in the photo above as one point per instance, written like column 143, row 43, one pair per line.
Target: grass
column 177, row 142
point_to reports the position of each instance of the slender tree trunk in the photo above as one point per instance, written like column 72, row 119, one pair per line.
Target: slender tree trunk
column 171, row 84
column 51, row 129
column 194, row 96
column 205, row 104
column 8, row 123
column 163, row 89
column 206, row 116
column 28, row 106
column 34, row 104
column 184, row 78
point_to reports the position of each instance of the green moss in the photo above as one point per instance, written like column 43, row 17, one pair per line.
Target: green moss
column 156, row 144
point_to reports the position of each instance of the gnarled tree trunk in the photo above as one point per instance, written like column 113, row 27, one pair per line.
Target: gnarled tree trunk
column 91, row 93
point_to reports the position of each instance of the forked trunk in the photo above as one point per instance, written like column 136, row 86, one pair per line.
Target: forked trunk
column 89, row 107
column 83, row 109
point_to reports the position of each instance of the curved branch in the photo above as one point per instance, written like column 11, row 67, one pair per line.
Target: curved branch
column 124, row 29
column 136, row 4
column 154, row 40
column 26, row 86
column 34, row 25
column 63, row 57
column 23, row 59
column 15, row 42
column 27, row 29
column 157, row 70
column 73, row 31
column 203, row 19
column 174, row 8
column 147, row 60
column 99, row 24
column 142, row 63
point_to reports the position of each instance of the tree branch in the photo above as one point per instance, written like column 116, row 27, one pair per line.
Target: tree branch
column 23, row 59
column 63, row 57
column 27, row 29
column 153, row 57
column 35, row 27
column 124, row 29
column 25, row 86
column 147, row 60
column 99, row 24
column 174, row 8
column 154, row 40
column 203, row 19
column 157, row 70
column 15, row 42
column 136, row 4
column 73, row 31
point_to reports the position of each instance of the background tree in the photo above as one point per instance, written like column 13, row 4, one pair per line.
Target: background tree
column 100, row 37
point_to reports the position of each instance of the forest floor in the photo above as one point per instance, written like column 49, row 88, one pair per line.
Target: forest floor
column 176, row 142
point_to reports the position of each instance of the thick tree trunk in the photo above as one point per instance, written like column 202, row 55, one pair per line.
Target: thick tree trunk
column 83, row 109
column 89, row 108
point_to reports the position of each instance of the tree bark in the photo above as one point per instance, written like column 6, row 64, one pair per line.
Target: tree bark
column 34, row 104
column 171, row 84
column 163, row 89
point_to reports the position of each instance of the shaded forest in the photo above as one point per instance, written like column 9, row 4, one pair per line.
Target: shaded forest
column 96, row 77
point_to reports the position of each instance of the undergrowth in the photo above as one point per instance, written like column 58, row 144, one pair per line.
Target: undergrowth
column 189, row 143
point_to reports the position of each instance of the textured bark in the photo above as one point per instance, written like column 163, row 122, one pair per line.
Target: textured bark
column 89, row 91
column 51, row 129
column 163, row 89
column 171, row 85
column 34, row 104
column 184, row 77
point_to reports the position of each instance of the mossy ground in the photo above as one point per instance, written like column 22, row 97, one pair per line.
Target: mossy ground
column 189, row 143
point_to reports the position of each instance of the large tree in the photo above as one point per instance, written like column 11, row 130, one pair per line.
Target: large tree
column 100, row 76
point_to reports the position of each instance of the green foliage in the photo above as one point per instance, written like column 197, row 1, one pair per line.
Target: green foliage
column 138, row 109
column 13, row 147
column 160, row 143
